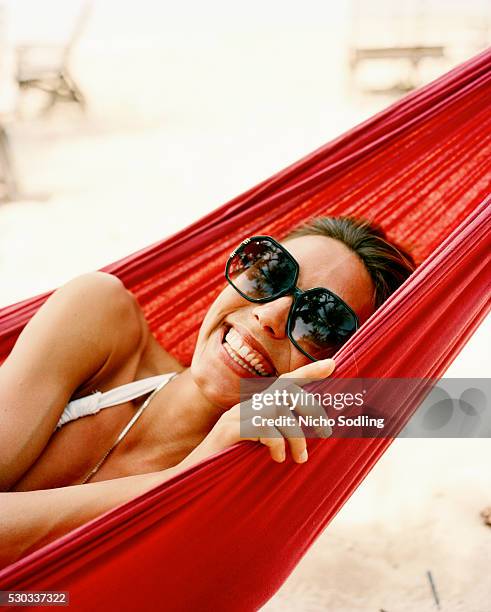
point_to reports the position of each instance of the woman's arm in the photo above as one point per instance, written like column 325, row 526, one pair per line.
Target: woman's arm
column 89, row 325
column 30, row 519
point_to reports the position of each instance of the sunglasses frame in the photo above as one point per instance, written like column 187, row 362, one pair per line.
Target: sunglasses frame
column 291, row 290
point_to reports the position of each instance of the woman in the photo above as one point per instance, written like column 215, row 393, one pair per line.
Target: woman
column 91, row 337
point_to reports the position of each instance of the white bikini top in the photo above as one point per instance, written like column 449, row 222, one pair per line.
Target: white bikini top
column 92, row 404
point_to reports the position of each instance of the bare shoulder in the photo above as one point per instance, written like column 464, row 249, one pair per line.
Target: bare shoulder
column 87, row 324
column 111, row 316
column 133, row 346
column 109, row 313
column 100, row 289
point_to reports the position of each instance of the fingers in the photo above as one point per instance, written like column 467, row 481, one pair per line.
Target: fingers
column 315, row 370
column 273, row 436
column 299, row 402
column 298, row 449
column 305, row 405
column 295, row 436
column 274, row 441
column 277, row 450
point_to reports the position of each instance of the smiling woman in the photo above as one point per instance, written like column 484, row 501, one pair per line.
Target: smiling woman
column 130, row 416
column 291, row 303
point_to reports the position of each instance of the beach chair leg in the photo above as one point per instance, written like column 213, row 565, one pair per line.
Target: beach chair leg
column 7, row 172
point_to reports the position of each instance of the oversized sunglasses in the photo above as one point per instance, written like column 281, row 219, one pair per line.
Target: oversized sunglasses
column 319, row 322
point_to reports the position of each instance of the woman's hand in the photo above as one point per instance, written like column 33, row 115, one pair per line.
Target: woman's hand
column 227, row 430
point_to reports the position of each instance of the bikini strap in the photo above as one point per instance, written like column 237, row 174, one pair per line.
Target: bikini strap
column 130, row 424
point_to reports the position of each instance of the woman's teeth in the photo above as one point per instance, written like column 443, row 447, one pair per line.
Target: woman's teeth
column 242, row 354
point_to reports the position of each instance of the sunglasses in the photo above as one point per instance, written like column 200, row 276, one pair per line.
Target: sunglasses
column 319, row 322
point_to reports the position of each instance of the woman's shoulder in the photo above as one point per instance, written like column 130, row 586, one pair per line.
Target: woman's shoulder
column 107, row 314
column 99, row 297
column 137, row 354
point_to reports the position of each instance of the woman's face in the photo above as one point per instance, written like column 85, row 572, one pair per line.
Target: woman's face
column 324, row 262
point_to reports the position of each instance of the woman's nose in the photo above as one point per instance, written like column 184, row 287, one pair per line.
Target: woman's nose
column 272, row 316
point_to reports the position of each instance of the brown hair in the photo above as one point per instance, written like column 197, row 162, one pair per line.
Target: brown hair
column 388, row 265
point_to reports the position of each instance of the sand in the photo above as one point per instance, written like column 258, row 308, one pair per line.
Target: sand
column 184, row 112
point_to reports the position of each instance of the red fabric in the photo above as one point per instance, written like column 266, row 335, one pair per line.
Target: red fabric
column 225, row 534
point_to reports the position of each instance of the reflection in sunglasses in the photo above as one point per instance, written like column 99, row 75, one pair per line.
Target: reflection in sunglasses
column 319, row 322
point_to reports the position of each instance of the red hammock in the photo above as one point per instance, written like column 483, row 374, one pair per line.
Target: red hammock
column 225, row 534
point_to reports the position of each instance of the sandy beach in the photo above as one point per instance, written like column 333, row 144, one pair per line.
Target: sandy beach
column 185, row 111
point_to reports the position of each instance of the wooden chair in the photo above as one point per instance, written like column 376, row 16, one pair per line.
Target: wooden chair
column 8, row 182
column 47, row 67
column 413, row 55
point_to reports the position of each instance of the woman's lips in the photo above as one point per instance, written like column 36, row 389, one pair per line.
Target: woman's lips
column 257, row 347
column 225, row 357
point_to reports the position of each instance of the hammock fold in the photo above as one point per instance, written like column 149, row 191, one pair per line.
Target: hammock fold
column 204, row 539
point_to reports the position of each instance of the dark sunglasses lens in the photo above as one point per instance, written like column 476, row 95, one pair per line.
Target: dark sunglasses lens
column 260, row 269
column 321, row 324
